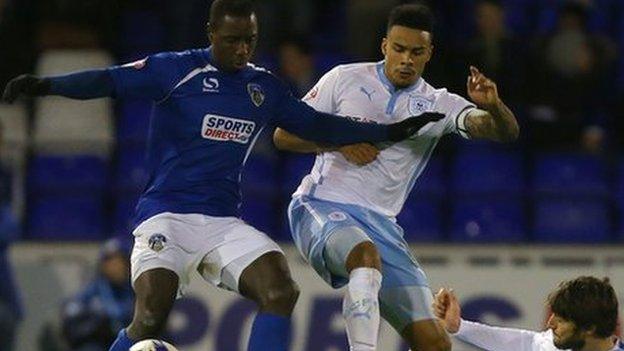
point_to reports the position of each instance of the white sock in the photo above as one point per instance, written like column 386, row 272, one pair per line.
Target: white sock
column 360, row 308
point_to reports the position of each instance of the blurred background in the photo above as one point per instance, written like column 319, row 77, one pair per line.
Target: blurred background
column 545, row 208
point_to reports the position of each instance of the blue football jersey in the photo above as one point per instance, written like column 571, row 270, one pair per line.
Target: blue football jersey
column 204, row 125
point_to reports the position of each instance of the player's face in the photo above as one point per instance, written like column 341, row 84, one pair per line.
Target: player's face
column 406, row 52
column 234, row 42
column 566, row 336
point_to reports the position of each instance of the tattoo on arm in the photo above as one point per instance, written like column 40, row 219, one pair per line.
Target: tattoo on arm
column 498, row 123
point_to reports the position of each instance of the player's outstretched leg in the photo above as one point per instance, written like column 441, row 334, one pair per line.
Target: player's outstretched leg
column 360, row 305
column 155, row 292
column 268, row 283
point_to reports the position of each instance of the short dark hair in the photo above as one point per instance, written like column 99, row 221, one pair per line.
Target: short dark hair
column 415, row 16
column 236, row 8
column 589, row 302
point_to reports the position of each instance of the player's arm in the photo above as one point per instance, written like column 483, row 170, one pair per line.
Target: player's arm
column 496, row 338
column 493, row 120
column 286, row 141
column 446, row 307
column 302, row 120
column 79, row 85
column 359, row 154
column 149, row 78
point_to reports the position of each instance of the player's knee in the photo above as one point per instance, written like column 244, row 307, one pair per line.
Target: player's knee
column 364, row 254
column 282, row 297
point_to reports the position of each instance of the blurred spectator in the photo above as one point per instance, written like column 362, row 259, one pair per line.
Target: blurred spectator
column 297, row 66
column 495, row 52
column 10, row 302
column 568, row 102
column 92, row 318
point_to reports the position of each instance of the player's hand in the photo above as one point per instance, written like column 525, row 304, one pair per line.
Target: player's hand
column 481, row 90
column 25, row 84
column 359, row 154
column 446, row 308
column 408, row 127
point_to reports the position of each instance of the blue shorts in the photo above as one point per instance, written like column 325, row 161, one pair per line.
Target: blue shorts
column 405, row 295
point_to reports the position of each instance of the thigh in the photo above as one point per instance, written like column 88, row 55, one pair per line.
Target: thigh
column 241, row 246
column 167, row 241
column 267, row 271
column 339, row 246
column 156, row 289
column 313, row 224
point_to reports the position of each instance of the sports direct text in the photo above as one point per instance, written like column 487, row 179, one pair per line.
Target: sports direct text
column 227, row 129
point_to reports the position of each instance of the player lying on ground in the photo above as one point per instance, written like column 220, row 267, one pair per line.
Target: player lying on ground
column 584, row 318
column 210, row 106
column 342, row 217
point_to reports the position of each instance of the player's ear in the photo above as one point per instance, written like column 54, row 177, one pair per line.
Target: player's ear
column 430, row 52
column 384, row 46
column 209, row 30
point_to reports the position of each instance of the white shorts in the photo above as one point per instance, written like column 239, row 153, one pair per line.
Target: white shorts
column 218, row 248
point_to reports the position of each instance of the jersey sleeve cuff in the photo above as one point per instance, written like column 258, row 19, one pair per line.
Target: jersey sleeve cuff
column 465, row 327
column 460, row 122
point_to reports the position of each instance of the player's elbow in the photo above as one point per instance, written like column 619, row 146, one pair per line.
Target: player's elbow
column 514, row 133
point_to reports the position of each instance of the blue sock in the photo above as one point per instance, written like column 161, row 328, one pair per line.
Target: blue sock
column 269, row 332
column 122, row 343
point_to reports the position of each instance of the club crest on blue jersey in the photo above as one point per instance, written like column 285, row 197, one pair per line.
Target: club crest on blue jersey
column 156, row 242
column 221, row 128
column 418, row 105
column 255, row 93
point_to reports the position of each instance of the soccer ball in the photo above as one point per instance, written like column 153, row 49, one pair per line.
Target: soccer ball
column 152, row 345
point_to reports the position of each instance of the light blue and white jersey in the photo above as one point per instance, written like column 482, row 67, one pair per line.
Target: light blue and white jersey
column 362, row 89
column 491, row 338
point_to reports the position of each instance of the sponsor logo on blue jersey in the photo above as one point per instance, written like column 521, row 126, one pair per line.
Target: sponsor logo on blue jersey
column 211, row 85
column 222, row 128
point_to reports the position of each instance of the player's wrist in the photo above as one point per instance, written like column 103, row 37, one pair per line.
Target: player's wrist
column 456, row 327
column 494, row 105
